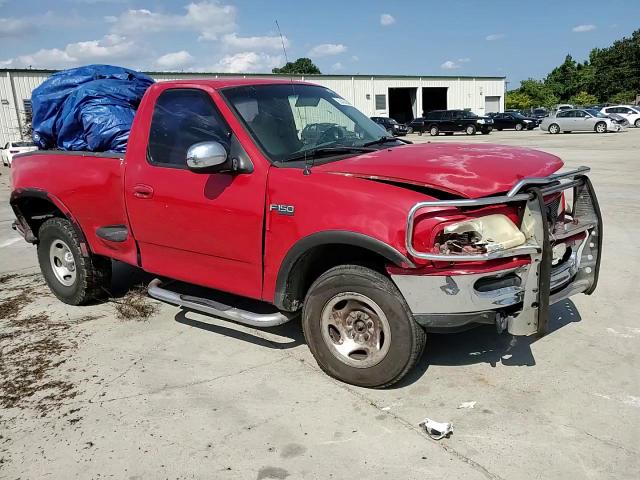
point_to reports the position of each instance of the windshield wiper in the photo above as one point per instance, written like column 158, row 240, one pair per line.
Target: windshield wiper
column 314, row 152
column 384, row 140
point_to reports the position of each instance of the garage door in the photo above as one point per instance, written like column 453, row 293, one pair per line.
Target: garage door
column 491, row 104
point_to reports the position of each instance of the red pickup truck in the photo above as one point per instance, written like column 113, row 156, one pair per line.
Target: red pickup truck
column 283, row 193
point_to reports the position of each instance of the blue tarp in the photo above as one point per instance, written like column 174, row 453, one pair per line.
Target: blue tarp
column 87, row 108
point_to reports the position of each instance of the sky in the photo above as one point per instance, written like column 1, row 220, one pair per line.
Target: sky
column 518, row 40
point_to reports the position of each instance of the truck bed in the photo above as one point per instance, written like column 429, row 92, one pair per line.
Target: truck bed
column 89, row 184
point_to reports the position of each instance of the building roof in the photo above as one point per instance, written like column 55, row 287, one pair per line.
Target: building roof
column 276, row 75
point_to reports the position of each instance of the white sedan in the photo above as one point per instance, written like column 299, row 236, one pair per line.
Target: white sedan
column 577, row 120
column 630, row 113
column 14, row 148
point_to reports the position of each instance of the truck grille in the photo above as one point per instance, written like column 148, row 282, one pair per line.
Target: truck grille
column 552, row 208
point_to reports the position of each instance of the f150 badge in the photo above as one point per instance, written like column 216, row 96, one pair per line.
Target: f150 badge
column 282, row 209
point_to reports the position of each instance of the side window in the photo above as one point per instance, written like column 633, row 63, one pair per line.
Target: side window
column 562, row 115
column 181, row 118
column 457, row 114
column 624, row 110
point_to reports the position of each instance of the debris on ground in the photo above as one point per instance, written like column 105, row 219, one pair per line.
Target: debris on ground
column 436, row 430
column 467, row 405
column 135, row 305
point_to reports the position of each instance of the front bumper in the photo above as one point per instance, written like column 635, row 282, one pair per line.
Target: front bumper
column 516, row 298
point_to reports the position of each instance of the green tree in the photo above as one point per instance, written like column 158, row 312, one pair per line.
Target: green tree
column 623, row 97
column 583, row 98
column 517, row 100
column 540, row 93
column 302, row 66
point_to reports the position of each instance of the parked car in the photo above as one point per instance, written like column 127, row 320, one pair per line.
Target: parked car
column 370, row 242
column 567, row 121
column 450, row 121
column 564, row 106
column 630, row 113
column 14, row 148
column 391, row 126
column 509, row 120
column 539, row 113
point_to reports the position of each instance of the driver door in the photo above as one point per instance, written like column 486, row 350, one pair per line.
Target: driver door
column 196, row 227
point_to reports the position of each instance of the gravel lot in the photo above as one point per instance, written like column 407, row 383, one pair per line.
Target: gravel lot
column 85, row 394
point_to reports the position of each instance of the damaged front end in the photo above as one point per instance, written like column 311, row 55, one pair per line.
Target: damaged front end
column 550, row 251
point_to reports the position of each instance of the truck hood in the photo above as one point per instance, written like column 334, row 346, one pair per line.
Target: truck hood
column 465, row 170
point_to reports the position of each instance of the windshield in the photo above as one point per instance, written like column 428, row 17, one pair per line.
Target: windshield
column 596, row 113
column 518, row 115
column 287, row 120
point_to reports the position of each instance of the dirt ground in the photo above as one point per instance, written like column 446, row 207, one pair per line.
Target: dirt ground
column 113, row 390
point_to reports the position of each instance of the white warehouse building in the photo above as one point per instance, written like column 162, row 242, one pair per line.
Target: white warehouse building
column 400, row 97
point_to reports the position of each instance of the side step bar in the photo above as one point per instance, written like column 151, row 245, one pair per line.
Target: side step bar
column 218, row 309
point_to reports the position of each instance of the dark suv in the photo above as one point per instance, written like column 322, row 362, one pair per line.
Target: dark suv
column 450, row 121
column 391, row 126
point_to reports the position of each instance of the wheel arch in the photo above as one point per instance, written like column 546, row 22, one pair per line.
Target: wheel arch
column 314, row 254
column 33, row 206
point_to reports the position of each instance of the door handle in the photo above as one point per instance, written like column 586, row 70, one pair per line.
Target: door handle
column 142, row 191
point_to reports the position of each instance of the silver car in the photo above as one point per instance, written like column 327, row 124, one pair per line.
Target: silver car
column 579, row 120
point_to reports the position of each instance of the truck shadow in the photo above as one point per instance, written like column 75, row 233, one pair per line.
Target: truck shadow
column 291, row 330
column 484, row 345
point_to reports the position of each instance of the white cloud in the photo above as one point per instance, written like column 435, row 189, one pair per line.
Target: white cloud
column 209, row 19
column 450, row 65
column 326, row 49
column 495, row 36
column 14, row 27
column 248, row 62
column 583, row 28
column 387, row 19
column 233, row 41
column 464, row 60
column 111, row 48
column 337, row 66
column 175, row 60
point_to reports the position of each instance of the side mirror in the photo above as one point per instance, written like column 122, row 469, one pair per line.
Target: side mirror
column 207, row 157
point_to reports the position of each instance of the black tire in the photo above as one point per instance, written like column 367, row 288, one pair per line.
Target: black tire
column 92, row 273
column 637, row 123
column 601, row 127
column 554, row 129
column 470, row 129
column 421, row 131
column 519, row 127
column 434, row 131
column 407, row 342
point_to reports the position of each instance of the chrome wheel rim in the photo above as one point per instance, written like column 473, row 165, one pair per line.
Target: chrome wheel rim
column 469, row 130
column 433, row 131
column 601, row 128
column 554, row 129
column 356, row 330
column 62, row 262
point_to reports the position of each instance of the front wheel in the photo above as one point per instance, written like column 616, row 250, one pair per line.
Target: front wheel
column 73, row 278
column 601, row 127
column 637, row 123
column 470, row 130
column 554, row 128
column 359, row 327
column 519, row 127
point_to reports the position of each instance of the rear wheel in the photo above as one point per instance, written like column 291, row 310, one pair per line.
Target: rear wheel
column 434, row 130
column 470, row 130
column 601, row 127
column 359, row 327
column 72, row 277
column 554, row 128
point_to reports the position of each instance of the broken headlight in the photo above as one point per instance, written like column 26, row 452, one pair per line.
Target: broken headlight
column 479, row 235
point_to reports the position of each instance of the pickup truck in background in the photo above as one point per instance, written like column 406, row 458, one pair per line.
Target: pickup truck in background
column 371, row 241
